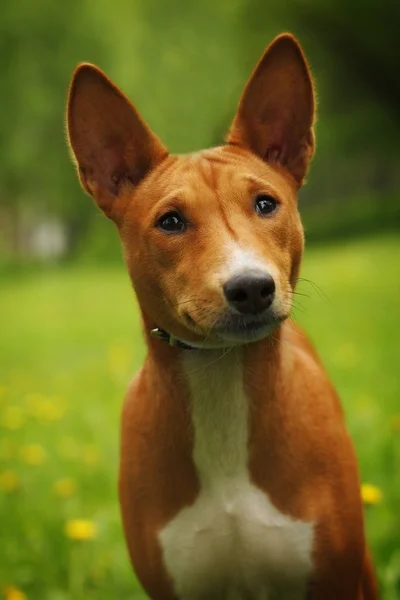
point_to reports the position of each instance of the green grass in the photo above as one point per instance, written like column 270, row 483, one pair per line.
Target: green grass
column 70, row 340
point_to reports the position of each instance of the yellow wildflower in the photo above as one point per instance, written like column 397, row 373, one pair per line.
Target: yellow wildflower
column 33, row 454
column 9, row 481
column 7, row 448
column 370, row 494
column 68, row 448
column 46, row 409
column 13, row 593
column 347, row 356
column 119, row 358
column 18, row 380
column 90, row 455
column 80, row 529
column 33, row 400
column 64, row 488
column 13, row 418
column 395, row 423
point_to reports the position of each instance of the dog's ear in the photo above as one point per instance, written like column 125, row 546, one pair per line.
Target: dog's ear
column 112, row 145
column 276, row 111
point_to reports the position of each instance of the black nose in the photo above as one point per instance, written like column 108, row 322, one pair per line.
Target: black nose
column 251, row 292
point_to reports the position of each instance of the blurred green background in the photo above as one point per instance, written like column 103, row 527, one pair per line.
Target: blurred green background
column 64, row 363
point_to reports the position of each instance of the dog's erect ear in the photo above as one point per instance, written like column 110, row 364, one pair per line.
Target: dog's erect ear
column 112, row 145
column 276, row 111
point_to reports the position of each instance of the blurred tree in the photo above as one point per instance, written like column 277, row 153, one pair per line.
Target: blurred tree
column 354, row 54
column 363, row 41
column 174, row 60
column 184, row 65
column 40, row 43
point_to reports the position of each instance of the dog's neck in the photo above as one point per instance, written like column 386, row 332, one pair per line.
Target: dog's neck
column 265, row 354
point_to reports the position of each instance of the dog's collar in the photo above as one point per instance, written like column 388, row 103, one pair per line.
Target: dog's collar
column 163, row 335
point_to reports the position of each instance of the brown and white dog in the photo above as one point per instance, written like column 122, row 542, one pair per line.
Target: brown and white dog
column 238, row 479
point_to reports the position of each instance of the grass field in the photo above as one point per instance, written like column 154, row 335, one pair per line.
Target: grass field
column 70, row 341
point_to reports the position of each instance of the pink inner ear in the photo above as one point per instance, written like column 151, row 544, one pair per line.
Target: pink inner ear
column 277, row 138
column 273, row 153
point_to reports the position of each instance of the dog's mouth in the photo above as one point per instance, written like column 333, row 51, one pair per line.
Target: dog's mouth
column 236, row 328
column 246, row 328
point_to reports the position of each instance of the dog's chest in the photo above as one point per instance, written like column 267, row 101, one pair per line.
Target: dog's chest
column 231, row 543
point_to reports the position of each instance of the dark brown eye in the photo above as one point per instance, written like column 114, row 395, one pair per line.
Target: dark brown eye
column 265, row 204
column 171, row 222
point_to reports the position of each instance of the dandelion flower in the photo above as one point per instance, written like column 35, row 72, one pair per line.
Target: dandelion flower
column 7, row 448
column 347, row 356
column 13, row 593
column 118, row 358
column 395, row 423
column 9, row 481
column 46, row 409
column 33, row 400
column 33, row 454
column 68, row 448
column 370, row 494
column 80, row 529
column 65, row 487
column 90, row 455
column 13, row 418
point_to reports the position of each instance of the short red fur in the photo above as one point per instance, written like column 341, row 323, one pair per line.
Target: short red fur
column 299, row 455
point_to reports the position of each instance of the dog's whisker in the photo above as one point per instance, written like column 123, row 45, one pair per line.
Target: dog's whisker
column 316, row 287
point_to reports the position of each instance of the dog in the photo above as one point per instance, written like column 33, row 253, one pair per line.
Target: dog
column 238, row 479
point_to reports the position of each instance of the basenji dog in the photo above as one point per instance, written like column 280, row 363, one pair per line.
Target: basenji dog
column 238, row 479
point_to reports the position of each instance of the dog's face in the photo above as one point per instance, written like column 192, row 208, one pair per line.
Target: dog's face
column 212, row 240
column 213, row 243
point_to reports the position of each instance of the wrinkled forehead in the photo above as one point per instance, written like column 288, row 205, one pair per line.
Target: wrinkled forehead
column 221, row 173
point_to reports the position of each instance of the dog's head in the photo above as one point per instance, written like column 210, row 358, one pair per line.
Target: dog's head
column 212, row 240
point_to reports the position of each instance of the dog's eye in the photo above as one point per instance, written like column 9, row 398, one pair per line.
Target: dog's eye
column 171, row 222
column 265, row 204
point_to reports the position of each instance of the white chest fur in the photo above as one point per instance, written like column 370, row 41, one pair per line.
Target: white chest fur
column 232, row 543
